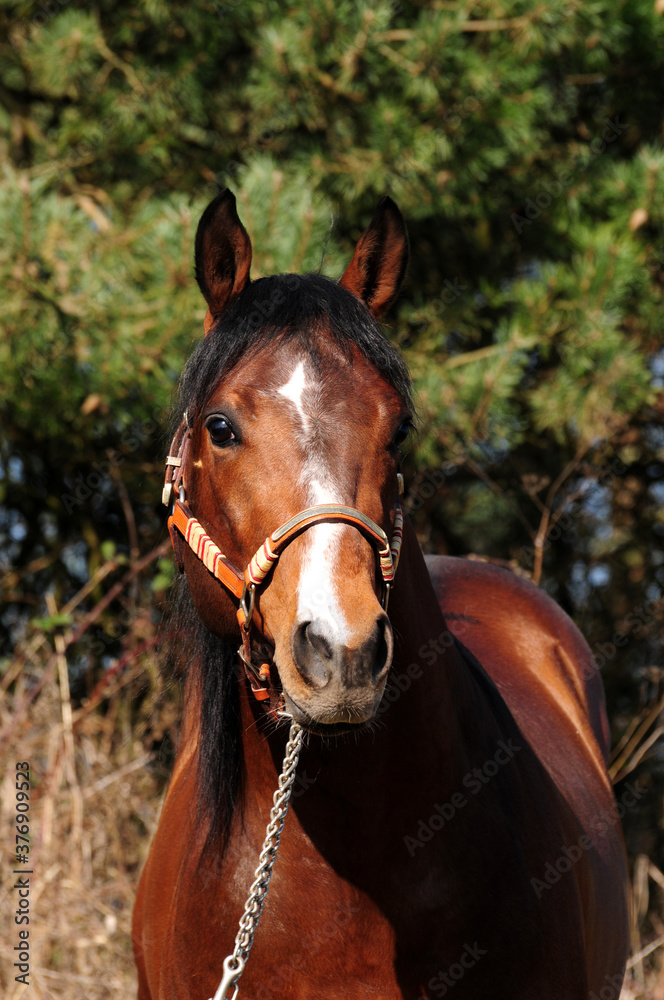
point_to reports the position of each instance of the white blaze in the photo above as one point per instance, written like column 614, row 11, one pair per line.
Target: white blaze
column 316, row 591
column 294, row 390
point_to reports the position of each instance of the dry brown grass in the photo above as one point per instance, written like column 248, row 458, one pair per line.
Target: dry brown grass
column 94, row 803
column 95, row 800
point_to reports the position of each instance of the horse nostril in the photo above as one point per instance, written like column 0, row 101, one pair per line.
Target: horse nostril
column 311, row 652
column 319, row 642
column 383, row 654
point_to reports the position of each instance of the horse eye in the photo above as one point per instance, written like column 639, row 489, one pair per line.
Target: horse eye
column 220, row 430
column 402, row 433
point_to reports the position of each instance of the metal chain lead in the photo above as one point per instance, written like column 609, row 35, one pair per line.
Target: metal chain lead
column 234, row 964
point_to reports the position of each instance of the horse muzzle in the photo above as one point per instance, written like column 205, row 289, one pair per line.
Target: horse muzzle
column 339, row 681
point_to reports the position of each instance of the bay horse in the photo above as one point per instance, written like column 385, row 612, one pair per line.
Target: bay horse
column 453, row 829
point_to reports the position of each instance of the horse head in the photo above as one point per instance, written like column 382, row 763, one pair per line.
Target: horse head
column 295, row 400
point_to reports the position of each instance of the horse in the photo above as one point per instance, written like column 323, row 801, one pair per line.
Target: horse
column 453, row 829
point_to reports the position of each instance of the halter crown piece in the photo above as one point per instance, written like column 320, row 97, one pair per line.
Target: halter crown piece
column 183, row 526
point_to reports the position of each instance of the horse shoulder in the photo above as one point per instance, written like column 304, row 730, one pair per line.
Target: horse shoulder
column 528, row 645
column 544, row 671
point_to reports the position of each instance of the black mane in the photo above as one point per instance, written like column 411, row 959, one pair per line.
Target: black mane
column 287, row 306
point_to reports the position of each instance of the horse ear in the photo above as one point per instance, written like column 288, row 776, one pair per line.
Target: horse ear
column 379, row 263
column 222, row 255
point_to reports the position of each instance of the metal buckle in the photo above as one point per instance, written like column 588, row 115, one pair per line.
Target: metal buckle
column 386, row 596
column 247, row 603
column 250, row 665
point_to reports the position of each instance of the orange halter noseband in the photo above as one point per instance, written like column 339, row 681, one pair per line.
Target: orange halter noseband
column 183, row 525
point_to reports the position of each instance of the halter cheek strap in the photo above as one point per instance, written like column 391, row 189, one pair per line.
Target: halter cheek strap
column 183, row 524
column 184, row 527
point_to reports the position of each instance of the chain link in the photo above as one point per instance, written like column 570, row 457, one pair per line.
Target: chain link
column 234, row 964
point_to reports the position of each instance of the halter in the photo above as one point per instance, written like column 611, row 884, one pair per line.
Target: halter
column 183, row 526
